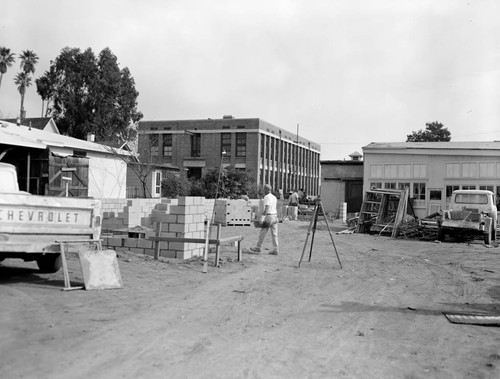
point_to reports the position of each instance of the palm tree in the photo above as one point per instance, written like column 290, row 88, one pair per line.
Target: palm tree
column 28, row 61
column 23, row 81
column 6, row 60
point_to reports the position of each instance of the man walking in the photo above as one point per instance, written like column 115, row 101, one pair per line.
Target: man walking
column 270, row 222
column 293, row 205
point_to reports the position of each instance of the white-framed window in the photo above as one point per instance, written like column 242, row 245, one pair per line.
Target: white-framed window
column 452, row 170
column 469, row 187
column 376, row 171
column 450, row 188
column 419, row 170
column 374, row 185
column 390, row 171
column 402, row 186
column 487, row 188
column 156, row 183
column 389, row 185
column 404, row 171
column 487, row 169
column 469, row 170
column 419, row 191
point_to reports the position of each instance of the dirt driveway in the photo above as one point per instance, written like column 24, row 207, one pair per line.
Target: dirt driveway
column 380, row 316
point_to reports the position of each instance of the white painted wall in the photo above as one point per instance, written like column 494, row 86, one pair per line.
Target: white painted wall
column 107, row 177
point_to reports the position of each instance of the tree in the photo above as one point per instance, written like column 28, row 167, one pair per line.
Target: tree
column 6, row 60
column 22, row 81
column 29, row 59
column 228, row 183
column 174, row 185
column 91, row 95
column 45, row 90
column 434, row 132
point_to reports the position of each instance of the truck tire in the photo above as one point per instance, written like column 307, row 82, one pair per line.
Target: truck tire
column 441, row 234
column 49, row 263
column 487, row 237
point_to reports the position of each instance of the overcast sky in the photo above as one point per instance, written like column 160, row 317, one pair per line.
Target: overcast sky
column 348, row 72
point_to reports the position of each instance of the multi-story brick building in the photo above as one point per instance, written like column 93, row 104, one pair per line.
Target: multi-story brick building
column 267, row 153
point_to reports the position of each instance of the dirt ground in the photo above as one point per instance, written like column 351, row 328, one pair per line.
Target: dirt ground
column 380, row 316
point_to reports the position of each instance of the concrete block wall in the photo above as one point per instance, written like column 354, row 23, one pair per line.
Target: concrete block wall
column 185, row 220
column 127, row 213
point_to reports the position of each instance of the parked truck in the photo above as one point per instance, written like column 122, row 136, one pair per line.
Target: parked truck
column 471, row 212
column 30, row 225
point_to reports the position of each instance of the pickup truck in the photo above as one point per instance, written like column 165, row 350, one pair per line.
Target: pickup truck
column 471, row 212
column 30, row 225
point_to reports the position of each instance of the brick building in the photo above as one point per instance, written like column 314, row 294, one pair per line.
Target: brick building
column 267, row 153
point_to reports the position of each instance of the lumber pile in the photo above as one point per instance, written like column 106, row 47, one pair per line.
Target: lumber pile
column 414, row 229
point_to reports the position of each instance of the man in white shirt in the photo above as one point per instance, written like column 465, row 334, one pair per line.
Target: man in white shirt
column 270, row 222
column 293, row 202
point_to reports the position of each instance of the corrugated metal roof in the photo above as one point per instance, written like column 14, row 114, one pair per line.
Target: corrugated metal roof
column 452, row 145
column 11, row 134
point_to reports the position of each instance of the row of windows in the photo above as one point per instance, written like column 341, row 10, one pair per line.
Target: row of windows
column 471, row 170
column 453, row 170
column 398, row 171
column 418, row 190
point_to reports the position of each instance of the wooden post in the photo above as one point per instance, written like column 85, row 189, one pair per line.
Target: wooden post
column 157, row 243
column 207, row 246
column 217, row 247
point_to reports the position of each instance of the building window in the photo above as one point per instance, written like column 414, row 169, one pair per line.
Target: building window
column 486, row 170
column 153, row 145
column 391, row 171
column 404, row 171
column 225, row 144
column 167, row 145
column 241, row 144
column 435, row 194
column 390, row 185
column 419, row 191
column 402, row 186
column 487, row 188
column 376, row 170
column 450, row 189
column 156, row 184
column 469, row 170
column 196, row 145
column 453, row 170
column 419, row 171
column 469, row 187
column 375, row 185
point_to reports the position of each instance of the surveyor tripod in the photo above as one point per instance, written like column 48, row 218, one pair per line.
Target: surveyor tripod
column 318, row 210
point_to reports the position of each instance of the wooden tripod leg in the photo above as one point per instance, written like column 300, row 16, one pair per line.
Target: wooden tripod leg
column 315, row 219
column 307, row 238
column 331, row 237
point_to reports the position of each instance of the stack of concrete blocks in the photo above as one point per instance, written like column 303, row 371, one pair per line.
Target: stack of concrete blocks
column 232, row 212
column 185, row 220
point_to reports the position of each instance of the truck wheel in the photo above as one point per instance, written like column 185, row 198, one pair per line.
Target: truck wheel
column 441, row 234
column 487, row 238
column 49, row 263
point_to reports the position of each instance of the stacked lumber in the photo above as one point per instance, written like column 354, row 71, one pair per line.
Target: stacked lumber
column 414, row 229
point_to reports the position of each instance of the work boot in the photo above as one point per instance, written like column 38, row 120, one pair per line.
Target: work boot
column 255, row 249
column 273, row 252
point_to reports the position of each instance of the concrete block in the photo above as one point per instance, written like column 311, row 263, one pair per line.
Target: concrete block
column 167, row 253
column 178, row 210
column 136, row 250
column 184, row 254
column 144, row 244
column 149, row 252
column 130, row 242
column 115, row 241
